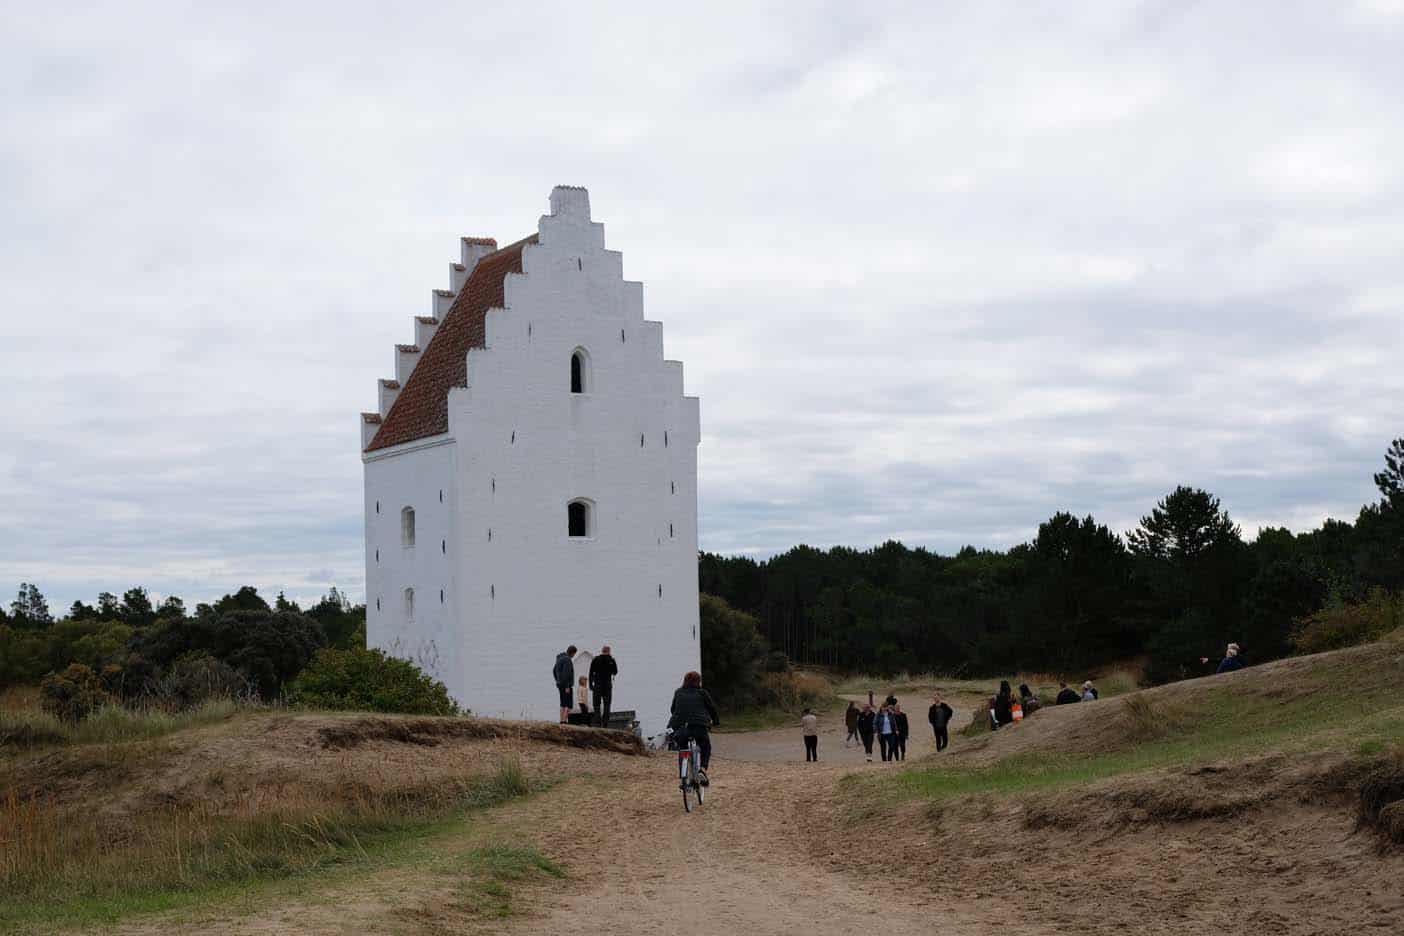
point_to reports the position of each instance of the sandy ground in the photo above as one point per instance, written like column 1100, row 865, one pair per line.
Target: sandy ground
column 767, row 854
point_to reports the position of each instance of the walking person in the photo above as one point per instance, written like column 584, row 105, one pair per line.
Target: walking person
column 887, row 733
column 903, row 727
column 940, row 715
column 564, row 675
column 867, row 723
column 850, row 721
column 809, row 726
column 603, row 669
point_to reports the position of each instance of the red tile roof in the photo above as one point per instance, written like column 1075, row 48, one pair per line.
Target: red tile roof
column 421, row 409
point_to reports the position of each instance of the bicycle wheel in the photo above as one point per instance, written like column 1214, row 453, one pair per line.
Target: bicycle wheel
column 697, row 788
column 687, row 805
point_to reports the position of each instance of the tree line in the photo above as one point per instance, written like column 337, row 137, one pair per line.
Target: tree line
column 1176, row 588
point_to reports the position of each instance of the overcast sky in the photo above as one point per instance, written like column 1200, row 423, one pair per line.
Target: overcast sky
column 936, row 271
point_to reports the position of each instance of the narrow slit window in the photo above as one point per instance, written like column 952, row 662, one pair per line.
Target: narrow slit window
column 407, row 526
column 409, row 604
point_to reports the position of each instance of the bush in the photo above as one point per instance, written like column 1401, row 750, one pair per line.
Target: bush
column 270, row 647
column 1348, row 625
column 793, row 692
column 733, row 652
column 196, row 679
column 368, row 680
column 74, row 694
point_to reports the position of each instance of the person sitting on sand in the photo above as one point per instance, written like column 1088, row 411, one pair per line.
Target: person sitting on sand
column 867, row 723
column 1232, row 661
column 1002, row 706
column 809, row 727
column 850, row 721
column 1029, row 700
column 1066, row 695
column 940, row 715
column 1089, row 692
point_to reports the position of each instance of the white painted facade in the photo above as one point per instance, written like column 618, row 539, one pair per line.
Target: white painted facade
column 499, row 586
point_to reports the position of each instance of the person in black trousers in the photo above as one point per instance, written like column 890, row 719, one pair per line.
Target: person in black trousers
column 940, row 717
column 866, row 721
column 899, row 744
column 603, row 669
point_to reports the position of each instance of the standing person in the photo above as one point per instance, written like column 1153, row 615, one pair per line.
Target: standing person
column 887, row 733
column 603, row 669
column 564, row 674
column 693, row 714
column 940, row 717
column 867, row 723
column 850, row 721
column 1089, row 692
column 1066, row 695
column 903, row 728
column 809, row 727
column 584, row 698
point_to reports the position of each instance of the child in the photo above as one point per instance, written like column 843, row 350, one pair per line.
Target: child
column 809, row 726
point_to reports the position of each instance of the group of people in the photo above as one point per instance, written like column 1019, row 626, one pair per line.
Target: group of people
column 600, row 681
column 887, row 723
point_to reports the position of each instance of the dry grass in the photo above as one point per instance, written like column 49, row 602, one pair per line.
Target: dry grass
column 32, row 727
column 52, row 854
column 1110, row 681
column 429, row 732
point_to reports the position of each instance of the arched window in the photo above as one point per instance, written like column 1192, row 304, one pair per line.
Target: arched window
column 409, row 604
column 580, row 371
column 580, row 518
column 407, row 527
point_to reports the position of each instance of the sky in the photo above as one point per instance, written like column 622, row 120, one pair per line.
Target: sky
column 936, row 271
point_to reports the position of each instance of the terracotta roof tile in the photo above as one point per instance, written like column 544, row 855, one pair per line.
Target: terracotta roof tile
column 421, row 409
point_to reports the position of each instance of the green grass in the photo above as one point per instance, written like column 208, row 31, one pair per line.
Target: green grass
column 61, row 868
column 493, row 874
column 1326, row 709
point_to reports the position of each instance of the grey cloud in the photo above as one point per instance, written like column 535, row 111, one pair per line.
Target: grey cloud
column 935, row 274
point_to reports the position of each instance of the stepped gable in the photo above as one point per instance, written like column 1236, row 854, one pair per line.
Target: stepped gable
column 421, row 409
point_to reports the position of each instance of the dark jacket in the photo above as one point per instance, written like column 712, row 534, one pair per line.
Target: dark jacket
column 692, row 707
column 939, row 715
column 1230, row 664
column 1031, row 705
column 850, row 718
column 866, row 722
column 1067, row 695
column 1003, row 709
column 903, row 726
column 603, row 669
column 564, row 671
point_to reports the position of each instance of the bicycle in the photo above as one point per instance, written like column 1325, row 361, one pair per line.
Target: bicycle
column 689, row 764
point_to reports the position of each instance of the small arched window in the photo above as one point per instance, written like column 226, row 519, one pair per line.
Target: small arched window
column 580, row 371
column 407, row 526
column 580, row 518
column 409, row 604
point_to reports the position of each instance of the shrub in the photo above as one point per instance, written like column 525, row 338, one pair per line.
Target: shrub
column 270, row 647
column 795, row 691
column 198, row 678
column 733, row 652
column 1350, row 624
column 74, row 694
column 368, row 680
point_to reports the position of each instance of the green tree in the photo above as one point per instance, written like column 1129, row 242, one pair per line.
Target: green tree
column 136, row 610
column 1391, row 480
column 30, row 609
column 1183, row 526
column 733, row 653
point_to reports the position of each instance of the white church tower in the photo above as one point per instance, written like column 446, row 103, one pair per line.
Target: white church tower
column 531, row 480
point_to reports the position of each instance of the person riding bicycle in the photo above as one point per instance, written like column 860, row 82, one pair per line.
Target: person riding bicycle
column 693, row 714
